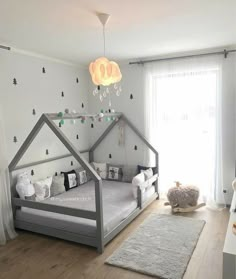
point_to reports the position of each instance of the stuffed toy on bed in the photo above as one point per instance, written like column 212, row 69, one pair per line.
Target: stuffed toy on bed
column 183, row 198
column 24, row 187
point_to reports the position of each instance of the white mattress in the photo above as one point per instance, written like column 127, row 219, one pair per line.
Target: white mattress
column 118, row 203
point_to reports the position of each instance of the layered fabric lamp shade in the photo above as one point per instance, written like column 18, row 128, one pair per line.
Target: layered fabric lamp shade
column 104, row 72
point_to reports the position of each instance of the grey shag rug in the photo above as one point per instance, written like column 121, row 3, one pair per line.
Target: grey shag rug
column 162, row 246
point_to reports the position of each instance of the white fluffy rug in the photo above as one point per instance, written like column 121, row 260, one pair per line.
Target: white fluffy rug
column 162, row 246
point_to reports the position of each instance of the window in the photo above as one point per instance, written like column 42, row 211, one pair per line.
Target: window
column 184, row 129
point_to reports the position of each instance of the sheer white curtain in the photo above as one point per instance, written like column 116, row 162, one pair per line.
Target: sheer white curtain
column 6, row 221
column 183, row 121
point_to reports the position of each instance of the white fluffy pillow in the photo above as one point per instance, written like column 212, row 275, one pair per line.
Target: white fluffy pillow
column 42, row 189
column 25, row 191
column 137, row 181
column 101, row 169
column 147, row 173
column 24, row 187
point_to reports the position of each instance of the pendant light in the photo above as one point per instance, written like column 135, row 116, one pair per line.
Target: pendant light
column 104, row 72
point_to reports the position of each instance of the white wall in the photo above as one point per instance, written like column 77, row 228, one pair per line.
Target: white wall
column 42, row 92
column 133, row 82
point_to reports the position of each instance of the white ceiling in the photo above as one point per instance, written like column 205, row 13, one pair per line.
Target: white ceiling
column 69, row 29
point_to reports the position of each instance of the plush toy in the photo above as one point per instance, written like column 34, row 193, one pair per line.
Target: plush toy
column 183, row 198
column 234, row 184
column 24, row 187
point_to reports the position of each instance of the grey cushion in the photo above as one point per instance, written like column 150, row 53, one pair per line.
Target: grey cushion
column 101, row 169
column 81, row 176
column 114, row 172
column 70, row 179
column 129, row 172
column 89, row 177
column 57, row 185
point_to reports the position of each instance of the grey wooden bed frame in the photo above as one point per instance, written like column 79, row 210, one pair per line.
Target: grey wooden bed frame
column 100, row 240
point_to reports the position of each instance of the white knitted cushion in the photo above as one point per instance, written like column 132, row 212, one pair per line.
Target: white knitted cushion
column 42, row 188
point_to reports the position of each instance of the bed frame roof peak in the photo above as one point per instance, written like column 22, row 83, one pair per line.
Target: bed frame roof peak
column 48, row 118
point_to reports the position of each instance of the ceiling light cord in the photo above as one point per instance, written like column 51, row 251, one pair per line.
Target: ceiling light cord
column 104, row 72
column 104, row 42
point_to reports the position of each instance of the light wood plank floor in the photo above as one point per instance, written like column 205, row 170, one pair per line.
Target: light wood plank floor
column 35, row 256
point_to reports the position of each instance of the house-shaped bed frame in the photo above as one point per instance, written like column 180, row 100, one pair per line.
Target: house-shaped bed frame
column 100, row 240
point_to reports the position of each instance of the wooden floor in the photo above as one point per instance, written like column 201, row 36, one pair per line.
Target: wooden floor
column 35, row 256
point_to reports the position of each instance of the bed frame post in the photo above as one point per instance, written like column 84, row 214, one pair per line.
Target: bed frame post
column 157, row 167
column 91, row 157
column 99, row 216
column 139, row 196
column 13, row 193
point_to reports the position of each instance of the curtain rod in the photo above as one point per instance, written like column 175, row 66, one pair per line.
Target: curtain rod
column 40, row 56
column 224, row 52
column 5, row 47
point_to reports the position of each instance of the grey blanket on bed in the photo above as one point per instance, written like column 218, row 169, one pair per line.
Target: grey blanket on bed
column 118, row 203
